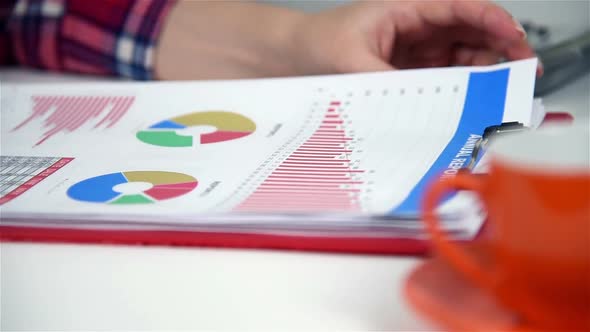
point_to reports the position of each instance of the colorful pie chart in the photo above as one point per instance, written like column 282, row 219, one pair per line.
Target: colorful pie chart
column 165, row 185
column 229, row 126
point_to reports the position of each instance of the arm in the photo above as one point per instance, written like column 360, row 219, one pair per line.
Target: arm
column 146, row 39
column 203, row 40
column 227, row 39
column 108, row 37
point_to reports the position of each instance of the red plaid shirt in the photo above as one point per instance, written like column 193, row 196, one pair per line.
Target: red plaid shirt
column 106, row 37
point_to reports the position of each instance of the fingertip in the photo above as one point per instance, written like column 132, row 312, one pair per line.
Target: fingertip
column 519, row 51
column 362, row 63
column 540, row 68
column 485, row 58
column 463, row 56
column 502, row 24
column 519, row 28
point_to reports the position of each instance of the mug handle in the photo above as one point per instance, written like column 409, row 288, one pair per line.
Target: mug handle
column 457, row 257
column 465, row 263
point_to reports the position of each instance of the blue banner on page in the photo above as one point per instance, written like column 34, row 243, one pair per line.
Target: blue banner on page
column 484, row 107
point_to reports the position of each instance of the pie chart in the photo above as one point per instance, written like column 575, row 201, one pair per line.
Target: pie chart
column 164, row 185
column 229, row 126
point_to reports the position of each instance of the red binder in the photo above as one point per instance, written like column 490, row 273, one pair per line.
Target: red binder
column 360, row 245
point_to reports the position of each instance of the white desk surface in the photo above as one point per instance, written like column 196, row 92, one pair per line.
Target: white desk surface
column 84, row 287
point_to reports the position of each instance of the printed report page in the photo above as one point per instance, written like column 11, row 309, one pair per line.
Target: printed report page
column 358, row 144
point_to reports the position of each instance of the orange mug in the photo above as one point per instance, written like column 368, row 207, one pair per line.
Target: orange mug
column 537, row 197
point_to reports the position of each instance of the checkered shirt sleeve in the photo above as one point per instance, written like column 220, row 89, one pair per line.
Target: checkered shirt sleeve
column 104, row 37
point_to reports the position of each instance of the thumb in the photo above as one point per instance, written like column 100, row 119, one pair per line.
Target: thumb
column 364, row 62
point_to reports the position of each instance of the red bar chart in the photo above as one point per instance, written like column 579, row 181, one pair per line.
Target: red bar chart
column 318, row 176
column 69, row 113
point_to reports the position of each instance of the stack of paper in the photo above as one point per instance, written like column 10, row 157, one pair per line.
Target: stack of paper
column 329, row 155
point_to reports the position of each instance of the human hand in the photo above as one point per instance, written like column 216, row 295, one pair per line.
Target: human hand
column 374, row 36
column 205, row 40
